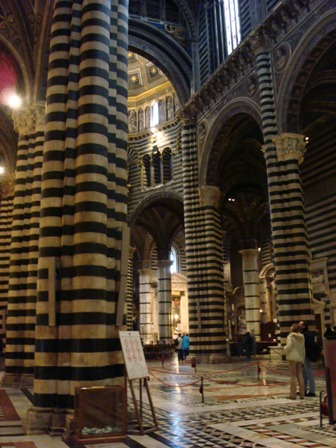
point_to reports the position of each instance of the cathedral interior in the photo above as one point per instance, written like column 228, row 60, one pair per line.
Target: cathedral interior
column 166, row 167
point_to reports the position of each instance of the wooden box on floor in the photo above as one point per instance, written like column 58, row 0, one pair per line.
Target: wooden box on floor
column 100, row 415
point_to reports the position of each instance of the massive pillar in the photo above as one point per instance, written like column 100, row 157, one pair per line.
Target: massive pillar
column 251, row 290
column 210, row 199
column 6, row 212
column 290, row 251
column 83, row 206
column 21, row 309
column 165, row 297
column 205, row 289
column 290, row 240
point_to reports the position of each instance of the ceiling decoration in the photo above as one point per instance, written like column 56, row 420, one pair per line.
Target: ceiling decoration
column 143, row 75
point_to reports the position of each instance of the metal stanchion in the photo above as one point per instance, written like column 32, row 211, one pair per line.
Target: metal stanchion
column 201, row 389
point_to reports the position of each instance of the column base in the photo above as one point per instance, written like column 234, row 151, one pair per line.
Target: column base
column 47, row 420
column 17, row 380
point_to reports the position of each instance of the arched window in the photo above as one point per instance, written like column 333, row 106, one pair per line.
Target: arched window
column 232, row 24
column 156, row 161
column 167, row 165
column 146, row 163
column 154, row 114
column 173, row 259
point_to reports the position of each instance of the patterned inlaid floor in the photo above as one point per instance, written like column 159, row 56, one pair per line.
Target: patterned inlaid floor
column 241, row 404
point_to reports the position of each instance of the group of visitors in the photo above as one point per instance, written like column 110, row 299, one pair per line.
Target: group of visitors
column 301, row 351
column 182, row 344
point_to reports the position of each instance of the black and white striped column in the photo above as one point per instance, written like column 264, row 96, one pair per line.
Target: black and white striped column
column 292, row 275
column 145, row 305
column 6, row 212
column 251, row 290
column 130, row 293
column 21, row 308
column 290, row 240
column 165, row 297
column 84, row 203
column 205, row 293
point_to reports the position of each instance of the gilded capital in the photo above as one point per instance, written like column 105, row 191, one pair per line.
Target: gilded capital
column 210, row 196
column 290, row 147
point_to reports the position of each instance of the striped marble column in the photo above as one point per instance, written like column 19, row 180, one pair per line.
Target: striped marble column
column 206, row 314
column 6, row 210
column 292, row 286
column 210, row 199
column 290, row 240
column 129, row 299
column 21, row 309
column 145, row 305
column 83, row 206
column 165, row 297
column 251, row 290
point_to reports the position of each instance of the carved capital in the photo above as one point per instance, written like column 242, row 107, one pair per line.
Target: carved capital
column 249, row 254
column 7, row 186
column 131, row 251
column 40, row 109
column 188, row 118
column 290, row 147
column 210, row 196
column 27, row 120
column 23, row 121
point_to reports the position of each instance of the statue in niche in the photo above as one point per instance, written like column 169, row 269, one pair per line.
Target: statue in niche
column 202, row 131
column 162, row 111
column 147, row 117
column 133, row 122
column 141, row 120
column 252, row 85
column 170, row 108
column 280, row 58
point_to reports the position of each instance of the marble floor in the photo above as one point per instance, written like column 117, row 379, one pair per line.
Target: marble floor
column 238, row 404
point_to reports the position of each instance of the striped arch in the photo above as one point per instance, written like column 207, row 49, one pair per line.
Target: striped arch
column 172, row 59
column 314, row 44
column 208, row 157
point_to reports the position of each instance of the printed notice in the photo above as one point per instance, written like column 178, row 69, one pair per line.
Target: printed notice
column 134, row 355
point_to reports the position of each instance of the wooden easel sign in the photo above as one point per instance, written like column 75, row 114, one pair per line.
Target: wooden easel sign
column 136, row 368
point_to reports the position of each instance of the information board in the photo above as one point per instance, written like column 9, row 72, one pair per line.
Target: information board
column 134, row 355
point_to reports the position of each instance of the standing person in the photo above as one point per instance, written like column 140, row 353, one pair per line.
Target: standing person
column 179, row 348
column 295, row 355
column 248, row 345
column 185, row 346
column 312, row 355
